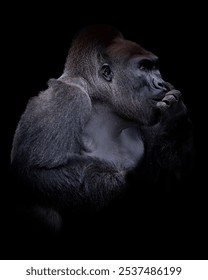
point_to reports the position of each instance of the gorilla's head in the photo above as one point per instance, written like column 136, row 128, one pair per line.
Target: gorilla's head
column 117, row 71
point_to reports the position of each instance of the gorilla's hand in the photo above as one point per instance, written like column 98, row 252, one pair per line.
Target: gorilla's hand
column 172, row 107
column 174, row 121
column 170, row 99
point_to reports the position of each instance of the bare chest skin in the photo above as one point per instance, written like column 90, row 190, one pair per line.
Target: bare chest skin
column 113, row 139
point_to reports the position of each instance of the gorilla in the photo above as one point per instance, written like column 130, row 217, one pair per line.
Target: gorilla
column 107, row 123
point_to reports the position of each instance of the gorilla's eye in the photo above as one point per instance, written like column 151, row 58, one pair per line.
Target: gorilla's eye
column 106, row 72
column 146, row 64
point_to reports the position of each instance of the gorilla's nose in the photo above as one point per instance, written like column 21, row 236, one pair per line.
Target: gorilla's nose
column 160, row 84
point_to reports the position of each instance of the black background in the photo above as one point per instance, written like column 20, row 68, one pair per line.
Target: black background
column 35, row 47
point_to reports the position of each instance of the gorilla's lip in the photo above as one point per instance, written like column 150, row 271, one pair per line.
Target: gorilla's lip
column 159, row 97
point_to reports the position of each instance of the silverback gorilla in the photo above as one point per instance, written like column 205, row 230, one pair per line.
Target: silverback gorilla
column 108, row 117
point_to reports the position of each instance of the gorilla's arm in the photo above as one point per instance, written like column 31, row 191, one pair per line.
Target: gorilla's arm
column 47, row 150
column 171, row 149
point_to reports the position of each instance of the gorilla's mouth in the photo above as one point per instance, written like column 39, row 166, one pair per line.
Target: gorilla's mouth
column 159, row 97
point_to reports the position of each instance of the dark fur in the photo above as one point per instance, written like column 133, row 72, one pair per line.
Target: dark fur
column 48, row 147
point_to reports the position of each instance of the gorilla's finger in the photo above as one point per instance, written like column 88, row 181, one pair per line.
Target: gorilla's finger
column 176, row 93
column 162, row 105
column 169, row 86
column 169, row 99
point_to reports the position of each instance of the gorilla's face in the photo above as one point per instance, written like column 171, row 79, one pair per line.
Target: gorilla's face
column 123, row 76
column 135, row 81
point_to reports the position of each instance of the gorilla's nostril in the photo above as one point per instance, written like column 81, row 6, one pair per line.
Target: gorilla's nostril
column 160, row 84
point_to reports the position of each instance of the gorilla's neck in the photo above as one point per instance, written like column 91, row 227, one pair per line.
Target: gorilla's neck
column 105, row 118
column 109, row 137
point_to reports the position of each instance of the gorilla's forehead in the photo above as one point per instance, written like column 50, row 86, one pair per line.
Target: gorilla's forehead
column 122, row 48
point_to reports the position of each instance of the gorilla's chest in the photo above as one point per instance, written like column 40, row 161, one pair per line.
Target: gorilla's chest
column 110, row 139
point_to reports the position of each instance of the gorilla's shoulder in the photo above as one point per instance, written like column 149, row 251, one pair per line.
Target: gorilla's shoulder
column 59, row 98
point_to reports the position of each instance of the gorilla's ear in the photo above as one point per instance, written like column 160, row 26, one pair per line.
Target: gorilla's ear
column 106, row 72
